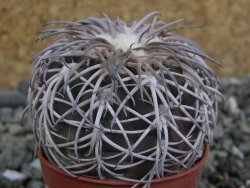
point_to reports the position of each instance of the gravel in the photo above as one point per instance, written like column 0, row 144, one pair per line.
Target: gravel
column 12, row 99
column 228, row 164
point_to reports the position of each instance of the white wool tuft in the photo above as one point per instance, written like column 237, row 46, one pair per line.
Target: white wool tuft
column 153, row 80
column 124, row 41
column 65, row 69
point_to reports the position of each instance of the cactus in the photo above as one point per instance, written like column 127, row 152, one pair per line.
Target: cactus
column 130, row 102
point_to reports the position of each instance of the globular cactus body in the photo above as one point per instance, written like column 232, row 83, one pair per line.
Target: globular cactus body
column 116, row 101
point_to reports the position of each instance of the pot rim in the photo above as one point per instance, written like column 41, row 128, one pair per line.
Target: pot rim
column 197, row 165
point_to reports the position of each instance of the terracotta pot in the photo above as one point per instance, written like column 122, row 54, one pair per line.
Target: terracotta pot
column 56, row 178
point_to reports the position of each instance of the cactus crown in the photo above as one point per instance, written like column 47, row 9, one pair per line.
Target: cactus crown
column 117, row 101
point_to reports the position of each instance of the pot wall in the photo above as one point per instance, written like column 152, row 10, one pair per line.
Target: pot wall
column 56, row 178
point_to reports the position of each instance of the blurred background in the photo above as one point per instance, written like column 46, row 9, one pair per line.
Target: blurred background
column 224, row 35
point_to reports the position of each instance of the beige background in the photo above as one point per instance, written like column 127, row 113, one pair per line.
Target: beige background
column 225, row 34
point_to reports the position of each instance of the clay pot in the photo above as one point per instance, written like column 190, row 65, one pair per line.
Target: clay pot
column 56, row 178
